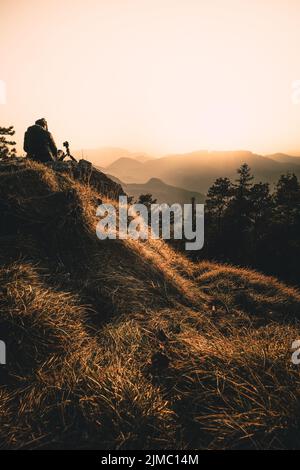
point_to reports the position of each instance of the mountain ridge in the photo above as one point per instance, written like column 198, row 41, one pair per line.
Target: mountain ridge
column 197, row 171
column 164, row 193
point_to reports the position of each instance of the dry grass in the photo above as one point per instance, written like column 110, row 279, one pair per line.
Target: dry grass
column 123, row 344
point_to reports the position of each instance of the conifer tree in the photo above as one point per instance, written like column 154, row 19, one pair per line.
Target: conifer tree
column 6, row 143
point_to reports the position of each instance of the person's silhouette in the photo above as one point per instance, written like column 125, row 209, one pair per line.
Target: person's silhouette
column 39, row 143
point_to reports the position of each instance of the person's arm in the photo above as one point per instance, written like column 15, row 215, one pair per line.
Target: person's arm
column 25, row 146
column 53, row 147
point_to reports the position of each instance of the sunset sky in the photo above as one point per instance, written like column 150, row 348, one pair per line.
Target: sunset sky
column 161, row 76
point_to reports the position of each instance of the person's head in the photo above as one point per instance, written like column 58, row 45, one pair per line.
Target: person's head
column 42, row 122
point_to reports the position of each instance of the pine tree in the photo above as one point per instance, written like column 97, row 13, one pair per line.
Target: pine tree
column 5, row 144
column 238, row 216
column 218, row 198
column 261, row 213
column 147, row 200
column 287, row 197
column 244, row 181
column 284, row 239
column 261, row 203
column 241, row 201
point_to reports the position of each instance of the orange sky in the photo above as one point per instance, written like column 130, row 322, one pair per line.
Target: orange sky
column 155, row 75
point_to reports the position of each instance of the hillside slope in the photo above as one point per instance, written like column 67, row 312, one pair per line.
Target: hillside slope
column 124, row 344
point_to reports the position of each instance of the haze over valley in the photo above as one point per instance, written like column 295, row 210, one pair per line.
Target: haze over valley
column 195, row 171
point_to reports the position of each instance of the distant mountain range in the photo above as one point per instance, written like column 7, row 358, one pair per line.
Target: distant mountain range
column 105, row 156
column 197, row 171
column 283, row 158
column 160, row 191
column 129, row 170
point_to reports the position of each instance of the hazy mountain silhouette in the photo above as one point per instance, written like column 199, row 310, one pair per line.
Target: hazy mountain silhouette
column 197, row 171
column 127, row 169
column 160, row 191
column 283, row 158
column 105, row 156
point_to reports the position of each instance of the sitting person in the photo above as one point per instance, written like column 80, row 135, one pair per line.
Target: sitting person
column 39, row 143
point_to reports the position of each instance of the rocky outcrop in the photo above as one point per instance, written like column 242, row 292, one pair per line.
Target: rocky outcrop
column 86, row 173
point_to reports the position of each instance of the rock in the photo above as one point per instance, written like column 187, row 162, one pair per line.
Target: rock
column 159, row 361
column 86, row 173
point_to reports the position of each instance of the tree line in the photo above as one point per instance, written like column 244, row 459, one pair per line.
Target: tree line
column 247, row 224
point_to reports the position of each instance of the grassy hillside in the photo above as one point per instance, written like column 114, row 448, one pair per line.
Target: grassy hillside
column 125, row 344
